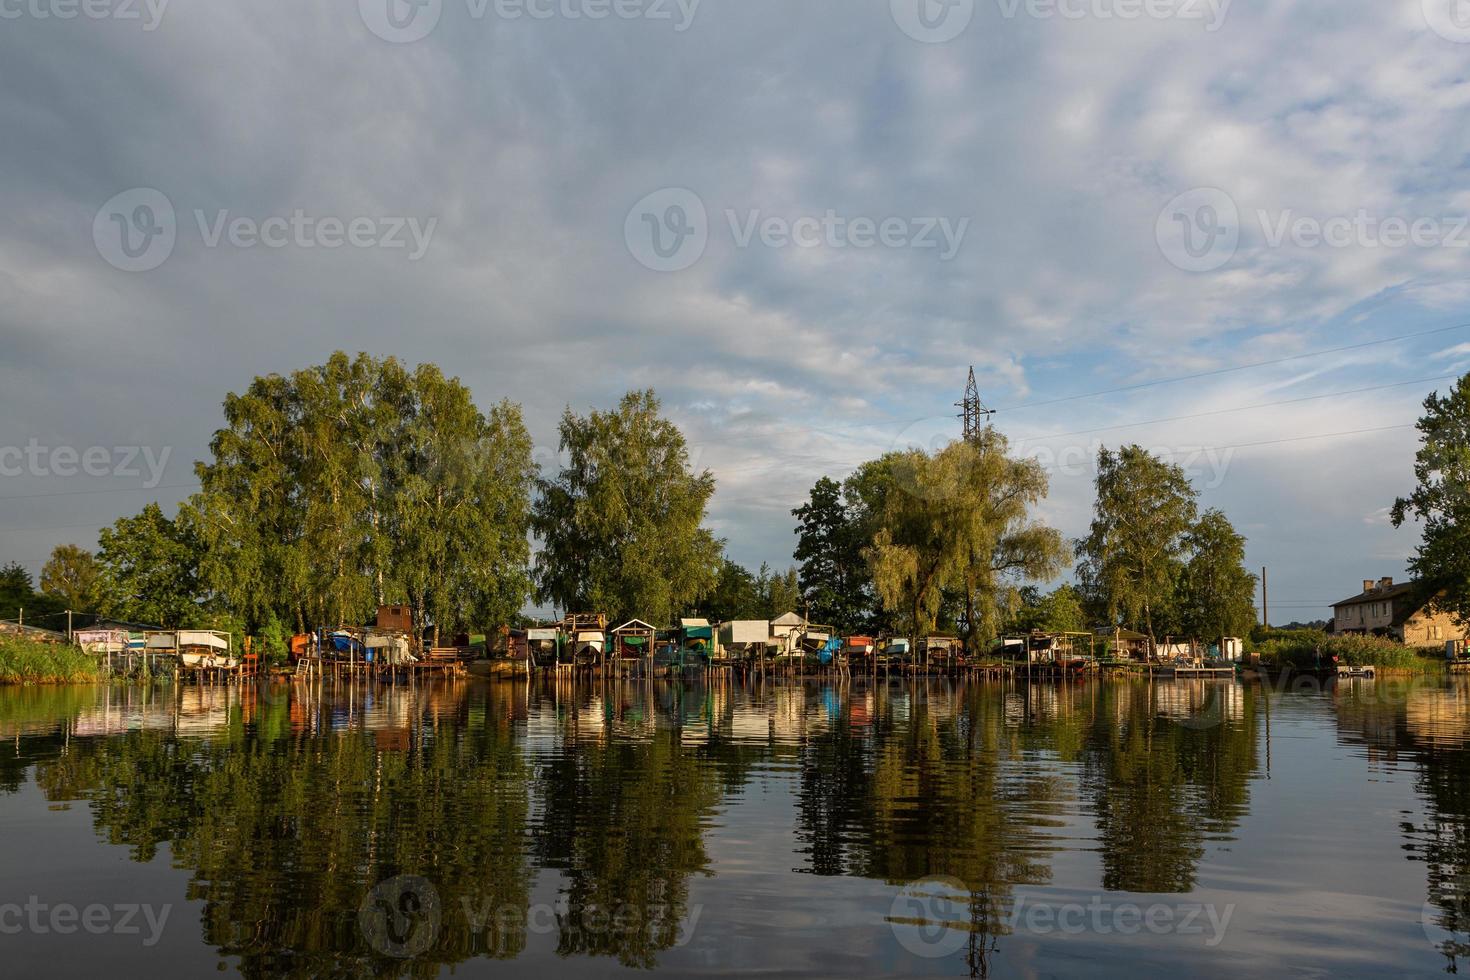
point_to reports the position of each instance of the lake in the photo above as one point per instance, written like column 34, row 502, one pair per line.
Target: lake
column 899, row 828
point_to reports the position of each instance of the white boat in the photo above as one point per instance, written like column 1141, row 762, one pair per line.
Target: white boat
column 201, row 649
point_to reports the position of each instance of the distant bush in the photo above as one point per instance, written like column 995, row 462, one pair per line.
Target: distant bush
column 28, row 662
column 1311, row 649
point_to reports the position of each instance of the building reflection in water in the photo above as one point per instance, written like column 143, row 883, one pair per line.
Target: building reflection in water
column 289, row 804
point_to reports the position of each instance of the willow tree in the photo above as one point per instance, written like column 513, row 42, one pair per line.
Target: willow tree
column 1132, row 557
column 960, row 520
column 621, row 524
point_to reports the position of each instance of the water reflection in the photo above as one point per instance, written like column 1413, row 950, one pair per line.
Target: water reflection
column 572, row 821
column 1427, row 726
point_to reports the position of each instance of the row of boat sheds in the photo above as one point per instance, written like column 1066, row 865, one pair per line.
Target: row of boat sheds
column 587, row 642
column 134, row 650
column 791, row 644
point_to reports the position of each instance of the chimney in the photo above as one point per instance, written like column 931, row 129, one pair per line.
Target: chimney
column 1386, row 582
column 1367, row 585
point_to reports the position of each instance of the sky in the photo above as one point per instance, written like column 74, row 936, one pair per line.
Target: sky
column 1236, row 234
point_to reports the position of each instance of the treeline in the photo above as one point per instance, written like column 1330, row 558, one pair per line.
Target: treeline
column 362, row 482
column 955, row 550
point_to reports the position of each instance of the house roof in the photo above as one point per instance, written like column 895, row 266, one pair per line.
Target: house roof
column 790, row 619
column 1379, row 595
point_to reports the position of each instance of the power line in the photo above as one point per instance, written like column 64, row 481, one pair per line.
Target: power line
column 1239, row 408
column 1243, row 367
column 53, row 527
column 1277, row 442
column 80, row 493
column 912, row 420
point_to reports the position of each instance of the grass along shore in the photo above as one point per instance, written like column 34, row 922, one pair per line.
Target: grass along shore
column 1313, row 649
column 28, row 662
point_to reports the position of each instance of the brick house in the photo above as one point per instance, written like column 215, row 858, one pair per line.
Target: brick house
column 1396, row 611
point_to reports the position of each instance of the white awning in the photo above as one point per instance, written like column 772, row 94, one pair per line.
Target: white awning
column 201, row 638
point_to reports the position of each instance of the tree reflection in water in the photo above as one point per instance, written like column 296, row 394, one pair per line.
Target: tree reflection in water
column 288, row 806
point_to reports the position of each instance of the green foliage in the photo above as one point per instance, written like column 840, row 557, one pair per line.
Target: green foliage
column 780, row 592
column 1216, row 593
column 360, row 482
column 622, row 524
column 17, row 594
column 958, row 521
column 1058, row 611
column 834, row 577
column 1265, row 634
column 149, row 569
column 736, row 595
column 27, row 662
column 70, row 577
column 274, row 639
column 1132, row 558
column 1311, row 650
column 1441, row 502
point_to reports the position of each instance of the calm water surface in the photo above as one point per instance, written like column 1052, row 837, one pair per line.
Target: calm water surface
column 487, row 828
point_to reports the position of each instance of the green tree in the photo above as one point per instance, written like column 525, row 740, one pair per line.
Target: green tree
column 780, row 592
column 70, row 576
column 1058, row 611
column 833, row 574
column 149, row 569
column 360, row 482
column 274, row 640
column 736, row 595
column 1217, row 594
column 959, row 520
column 621, row 524
column 1441, row 502
column 460, row 505
column 17, row 593
column 1131, row 559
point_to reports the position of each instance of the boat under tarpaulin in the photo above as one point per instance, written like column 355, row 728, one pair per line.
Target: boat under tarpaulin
column 203, row 638
column 588, row 646
column 389, row 648
column 102, row 641
column 544, row 643
column 204, row 649
column 696, row 642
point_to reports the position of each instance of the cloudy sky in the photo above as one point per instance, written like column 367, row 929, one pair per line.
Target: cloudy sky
column 799, row 221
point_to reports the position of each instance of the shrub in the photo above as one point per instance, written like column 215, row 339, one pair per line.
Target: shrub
column 28, row 662
column 1310, row 649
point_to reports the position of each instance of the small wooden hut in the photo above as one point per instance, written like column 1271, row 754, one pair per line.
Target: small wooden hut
column 632, row 643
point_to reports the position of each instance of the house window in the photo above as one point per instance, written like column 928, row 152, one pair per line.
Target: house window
column 1435, row 633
